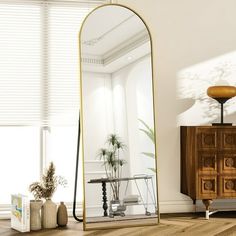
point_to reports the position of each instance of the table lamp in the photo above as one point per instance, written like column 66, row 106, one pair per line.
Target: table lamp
column 221, row 94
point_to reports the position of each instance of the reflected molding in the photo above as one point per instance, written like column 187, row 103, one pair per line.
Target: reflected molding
column 81, row 59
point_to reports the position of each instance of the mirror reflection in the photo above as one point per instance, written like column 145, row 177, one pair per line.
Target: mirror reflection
column 117, row 120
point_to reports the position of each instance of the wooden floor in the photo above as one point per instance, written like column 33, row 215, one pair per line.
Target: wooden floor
column 220, row 224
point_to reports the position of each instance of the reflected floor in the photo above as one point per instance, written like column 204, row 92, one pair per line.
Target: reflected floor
column 118, row 221
column 119, row 218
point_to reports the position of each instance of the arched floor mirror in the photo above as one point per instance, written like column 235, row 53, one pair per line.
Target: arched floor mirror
column 117, row 116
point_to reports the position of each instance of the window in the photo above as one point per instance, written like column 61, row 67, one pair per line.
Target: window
column 39, row 99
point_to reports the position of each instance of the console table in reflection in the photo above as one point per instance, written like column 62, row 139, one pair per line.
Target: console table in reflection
column 104, row 181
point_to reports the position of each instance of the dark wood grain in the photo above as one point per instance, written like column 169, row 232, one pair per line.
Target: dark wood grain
column 208, row 162
column 188, row 149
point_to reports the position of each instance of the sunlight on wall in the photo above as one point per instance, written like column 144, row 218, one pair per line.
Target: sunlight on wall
column 192, row 84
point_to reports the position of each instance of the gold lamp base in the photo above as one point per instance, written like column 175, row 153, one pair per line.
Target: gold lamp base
column 221, row 94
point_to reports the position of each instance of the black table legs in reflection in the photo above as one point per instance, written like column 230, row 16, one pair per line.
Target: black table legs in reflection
column 104, row 194
column 103, row 181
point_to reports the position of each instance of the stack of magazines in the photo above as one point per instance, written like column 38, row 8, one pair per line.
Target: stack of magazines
column 20, row 213
column 131, row 199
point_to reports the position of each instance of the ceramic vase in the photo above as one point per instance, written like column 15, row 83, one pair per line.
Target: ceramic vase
column 35, row 214
column 62, row 215
column 49, row 214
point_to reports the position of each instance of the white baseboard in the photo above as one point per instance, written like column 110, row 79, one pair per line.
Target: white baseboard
column 176, row 206
column 184, row 206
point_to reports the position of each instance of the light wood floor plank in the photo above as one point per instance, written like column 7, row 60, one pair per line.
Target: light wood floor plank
column 220, row 224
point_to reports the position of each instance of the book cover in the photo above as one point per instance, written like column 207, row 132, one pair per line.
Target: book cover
column 20, row 213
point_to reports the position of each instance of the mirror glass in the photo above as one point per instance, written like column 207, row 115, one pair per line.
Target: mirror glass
column 120, row 182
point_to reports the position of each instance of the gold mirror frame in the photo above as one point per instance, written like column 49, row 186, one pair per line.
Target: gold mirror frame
column 82, row 125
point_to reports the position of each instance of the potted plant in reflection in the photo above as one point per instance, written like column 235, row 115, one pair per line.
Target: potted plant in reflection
column 113, row 165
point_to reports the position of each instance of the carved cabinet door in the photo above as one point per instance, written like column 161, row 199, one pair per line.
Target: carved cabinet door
column 207, row 175
column 216, row 161
column 207, row 163
column 227, row 163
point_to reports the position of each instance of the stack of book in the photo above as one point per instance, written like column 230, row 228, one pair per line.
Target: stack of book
column 20, row 213
column 131, row 199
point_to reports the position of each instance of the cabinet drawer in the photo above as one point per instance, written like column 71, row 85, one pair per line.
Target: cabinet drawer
column 227, row 163
column 207, row 187
column 227, row 139
column 227, row 187
column 207, row 139
column 207, row 163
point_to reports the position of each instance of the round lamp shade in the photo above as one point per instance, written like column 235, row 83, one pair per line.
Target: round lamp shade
column 226, row 92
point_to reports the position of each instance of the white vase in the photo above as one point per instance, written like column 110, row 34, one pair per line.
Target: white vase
column 35, row 216
column 49, row 214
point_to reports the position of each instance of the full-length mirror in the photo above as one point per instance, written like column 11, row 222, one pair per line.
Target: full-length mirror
column 119, row 154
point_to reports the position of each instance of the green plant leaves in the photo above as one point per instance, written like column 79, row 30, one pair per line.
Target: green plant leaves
column 151, row 135
column 112, row 162
column 149, row 154
column 152, row 169
column 149, row 131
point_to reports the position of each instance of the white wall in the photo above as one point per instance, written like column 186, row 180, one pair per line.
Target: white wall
column 97, row 104
column 133, row 100
column 185, row 33
column 133, row 84
column 98, row 120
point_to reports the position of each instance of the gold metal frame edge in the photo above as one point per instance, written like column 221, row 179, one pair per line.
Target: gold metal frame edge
column 81, row 117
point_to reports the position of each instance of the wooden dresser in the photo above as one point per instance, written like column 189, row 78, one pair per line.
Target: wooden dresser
column 208, row 162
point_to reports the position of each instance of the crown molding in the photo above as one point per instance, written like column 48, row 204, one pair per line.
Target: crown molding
column 119, row 51
column 92, row 61
column 126, row 47
column 94, row 41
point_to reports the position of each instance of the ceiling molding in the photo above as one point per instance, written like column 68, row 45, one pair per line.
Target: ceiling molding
column 119, row 51
column 126, row 47
column 92, row 61
column 93, row 41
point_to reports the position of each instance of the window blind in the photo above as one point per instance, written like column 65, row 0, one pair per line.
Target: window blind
column 64, row 22
column 39, row 61
column 20, row 64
